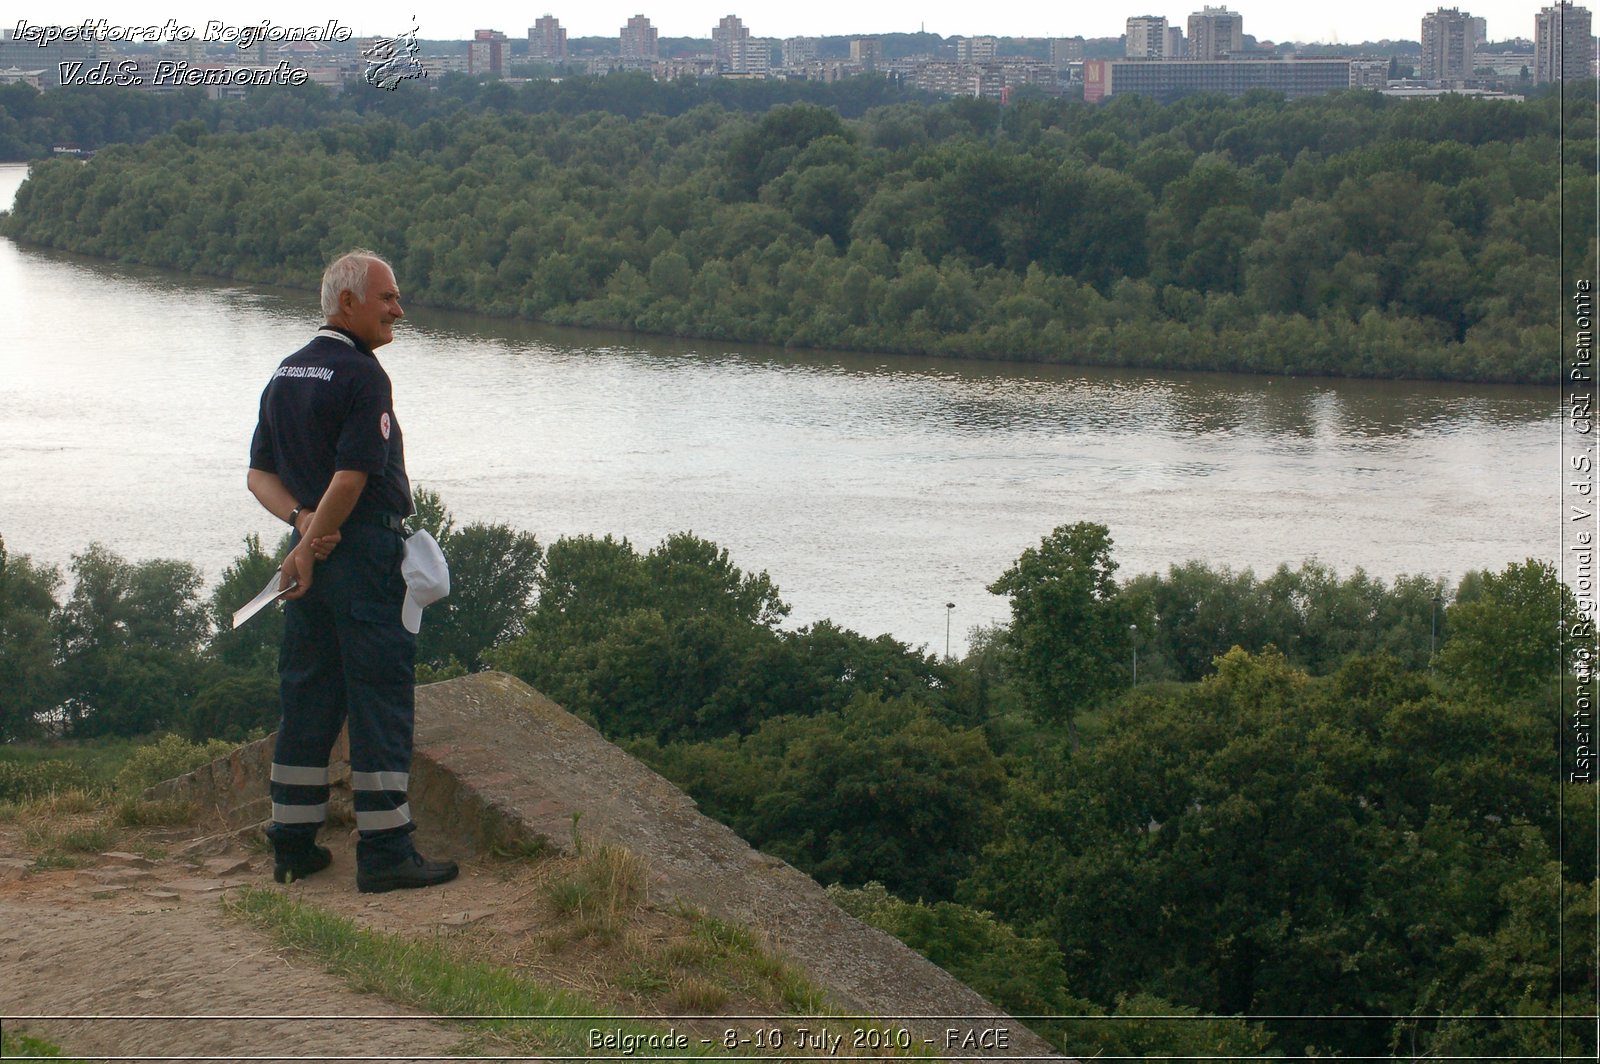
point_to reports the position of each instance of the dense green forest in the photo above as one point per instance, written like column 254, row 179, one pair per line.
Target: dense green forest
column 1347, row 235
column 1327, row 796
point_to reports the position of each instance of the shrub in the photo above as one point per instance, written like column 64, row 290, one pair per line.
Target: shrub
column 166, row 758
column 21, row 782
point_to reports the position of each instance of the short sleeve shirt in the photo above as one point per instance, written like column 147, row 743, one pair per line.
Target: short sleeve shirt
column 329, row 407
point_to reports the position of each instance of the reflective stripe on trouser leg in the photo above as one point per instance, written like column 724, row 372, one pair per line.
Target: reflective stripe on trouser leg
column 380, row 781
column 299, row 814
column 380, row 800
column 306, row 791
column 311, row 703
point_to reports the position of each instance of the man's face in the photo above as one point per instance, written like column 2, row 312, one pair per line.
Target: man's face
column 373, row 320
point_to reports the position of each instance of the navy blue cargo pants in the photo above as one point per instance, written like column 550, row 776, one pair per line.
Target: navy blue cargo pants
column 346, row 655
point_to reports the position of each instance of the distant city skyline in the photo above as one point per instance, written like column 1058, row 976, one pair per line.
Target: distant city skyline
column 1275, row 20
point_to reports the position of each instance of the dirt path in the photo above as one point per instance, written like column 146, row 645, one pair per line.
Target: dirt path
column 132, row 957
column 144, row 947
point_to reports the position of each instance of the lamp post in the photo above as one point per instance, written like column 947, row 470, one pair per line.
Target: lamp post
column 1133, row 637
column 948, row 606
column 1433, row 633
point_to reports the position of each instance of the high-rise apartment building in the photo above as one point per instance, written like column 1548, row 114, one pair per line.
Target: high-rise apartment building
column 799, row 50
column 1166, row 81
column 977, row 50
column 1065, row 50
column 547, row 40
column 867, row 51
column 754, row 57
column 1448, row 43
column 734, row 51
column 487, row 52
column 728, row 37
column 639, row 39
column 1214, row 32
column 1563, row 44
column 1146, row 37
column 1177, row 47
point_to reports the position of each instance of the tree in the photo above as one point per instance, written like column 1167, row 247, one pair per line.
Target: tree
column 585, row 582
column 832, row 665
column 1538, row 962
column 1068, row 626
column 432, row 516
column 255, row 645
column 493, row 572
column 765, row 150
column 1268, row 842
column 676, row 644
column 129, row 639
column 1022, row 974
column 879, row 791
column 29, row 685
column 1508, row 631
column 690, row 576
column 233, row 707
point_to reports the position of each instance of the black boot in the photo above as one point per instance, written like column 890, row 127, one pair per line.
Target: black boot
column 299, row 862
column 410, row 872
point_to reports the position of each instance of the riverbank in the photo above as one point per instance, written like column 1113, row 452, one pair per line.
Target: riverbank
column 1274, row 241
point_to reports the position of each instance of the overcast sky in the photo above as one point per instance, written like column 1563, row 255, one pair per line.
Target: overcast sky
column 1350, row 21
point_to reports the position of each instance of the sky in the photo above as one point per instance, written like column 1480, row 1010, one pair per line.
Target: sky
column 1350, row 21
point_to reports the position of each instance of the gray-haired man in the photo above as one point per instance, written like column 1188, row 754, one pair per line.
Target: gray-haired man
column 327, row 457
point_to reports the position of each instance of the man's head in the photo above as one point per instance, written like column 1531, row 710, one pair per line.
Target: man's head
column 359, row 294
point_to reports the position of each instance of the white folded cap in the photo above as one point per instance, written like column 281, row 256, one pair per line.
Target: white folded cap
column 427, row 578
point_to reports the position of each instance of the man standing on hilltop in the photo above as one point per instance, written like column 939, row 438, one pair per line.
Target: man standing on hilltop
column 327, row 458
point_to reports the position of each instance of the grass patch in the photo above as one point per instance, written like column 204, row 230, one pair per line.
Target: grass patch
column 677, row 960
column 21, row 782
column 47, row 862
column 90, row 838
column 603, row 892
column 521, row 849
column 719, row 957
column 70, row 829
column 69, row 847
column 165, row 813
column 700, row 995
column 50, row 806
column 84, row 839
column 17, row 1044
column 99, row 759
column 428, row 976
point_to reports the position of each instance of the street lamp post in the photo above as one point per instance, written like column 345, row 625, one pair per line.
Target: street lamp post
column 1133, row 637
column 948, row 606
column 1433, row 633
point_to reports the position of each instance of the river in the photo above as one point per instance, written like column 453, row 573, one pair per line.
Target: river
column 873, row 489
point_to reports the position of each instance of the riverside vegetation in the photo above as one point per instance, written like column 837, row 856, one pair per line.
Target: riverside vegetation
column 1328, row 796
column 1350, row 235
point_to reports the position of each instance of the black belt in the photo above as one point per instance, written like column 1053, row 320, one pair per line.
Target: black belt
column 392, row 521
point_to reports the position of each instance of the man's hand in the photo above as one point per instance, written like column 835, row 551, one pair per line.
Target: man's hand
column 321, row 546
column 295, row 575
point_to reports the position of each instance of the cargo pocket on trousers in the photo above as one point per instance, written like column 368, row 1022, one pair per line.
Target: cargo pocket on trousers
column 380, row 650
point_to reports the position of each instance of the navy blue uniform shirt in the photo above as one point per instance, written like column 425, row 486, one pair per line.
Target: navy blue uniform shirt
column 329, row 407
